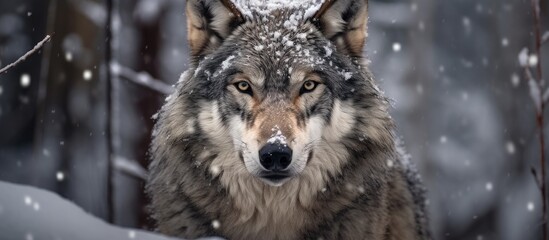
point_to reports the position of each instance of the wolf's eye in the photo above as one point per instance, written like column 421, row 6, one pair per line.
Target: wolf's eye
column 243, row 87
column 308, row 86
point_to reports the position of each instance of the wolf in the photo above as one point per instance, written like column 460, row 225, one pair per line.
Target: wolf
column 278, row 130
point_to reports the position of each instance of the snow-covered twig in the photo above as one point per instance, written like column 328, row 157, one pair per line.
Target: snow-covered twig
column 141, row 78
column 24, row 57
column 130, row 167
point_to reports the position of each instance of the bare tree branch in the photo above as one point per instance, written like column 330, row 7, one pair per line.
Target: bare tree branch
column 24, row 57
column 141, row 78
column 540, row 113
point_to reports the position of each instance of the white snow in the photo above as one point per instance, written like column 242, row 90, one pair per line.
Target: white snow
column 215, row 170
column 533, row 60
column 300, row 9
column 523, row 57
column 545, row 37
column 60, row 176
column 397, row 47
column 227, row 62
column 259, row 47
column 25, row 80
column 466, row 22
column 216, row 224
column 441, row 68
column 68, row 56
column 290, row 43
column 443, row 139
column 413, row 7
column 148, row 11
column 535, row 93
column 489, row 186
column 504, row 42
column 510, row 146
column 36, row 206
column 328, row 50
column 530, row 206
column 87, row 75
column 546, row 95
column 277, row 137
column 515, row 80
column 28, row 200
column 51, row 217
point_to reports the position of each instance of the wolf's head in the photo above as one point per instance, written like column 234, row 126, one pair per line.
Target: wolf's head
column 278, row 90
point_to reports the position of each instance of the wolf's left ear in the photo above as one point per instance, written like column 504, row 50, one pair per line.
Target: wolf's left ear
column 344, row 22
column 209, row 22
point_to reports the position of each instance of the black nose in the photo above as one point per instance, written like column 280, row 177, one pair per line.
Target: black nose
column 275, row 156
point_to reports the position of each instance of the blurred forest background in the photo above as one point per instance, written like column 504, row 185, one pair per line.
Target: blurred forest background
column 461, row 103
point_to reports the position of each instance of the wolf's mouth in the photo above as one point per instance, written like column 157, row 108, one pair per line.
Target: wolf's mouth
column 275, row 179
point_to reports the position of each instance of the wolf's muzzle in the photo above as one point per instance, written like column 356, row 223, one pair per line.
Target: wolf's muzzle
column 275, row 157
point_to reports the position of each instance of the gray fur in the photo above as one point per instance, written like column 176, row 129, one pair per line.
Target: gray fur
column 365, row 192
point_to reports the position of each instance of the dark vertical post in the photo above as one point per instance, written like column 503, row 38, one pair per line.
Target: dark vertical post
column 108, row 130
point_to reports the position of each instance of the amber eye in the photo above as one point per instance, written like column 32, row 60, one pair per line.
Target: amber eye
column 308, row 86
column 243, row 87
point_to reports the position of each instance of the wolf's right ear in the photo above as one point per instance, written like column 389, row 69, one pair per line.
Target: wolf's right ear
column 345, row 23
column 209, row 22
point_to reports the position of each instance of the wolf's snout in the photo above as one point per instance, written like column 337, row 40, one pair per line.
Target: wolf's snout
column 275, row 156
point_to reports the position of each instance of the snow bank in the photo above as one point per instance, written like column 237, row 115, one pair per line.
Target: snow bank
column 29, row 213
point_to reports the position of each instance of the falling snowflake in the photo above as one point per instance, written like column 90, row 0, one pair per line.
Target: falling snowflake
column 60, row 176
column 489, row 186
column 216, row 224
column 68, row 56
column 87, row 74
column 515, row 80
column 504, row 42
column 443, row 139
column 25, row 80
column 510, row 146
column 413, row 7
column 530, row 206
column 36, row 206
column 28, row 200
column 215, row 170
column 397, row 47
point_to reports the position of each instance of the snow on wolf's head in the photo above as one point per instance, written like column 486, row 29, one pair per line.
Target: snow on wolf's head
column 277, row 91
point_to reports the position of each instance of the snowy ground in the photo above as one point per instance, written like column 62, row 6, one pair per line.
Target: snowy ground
column 30, row 213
